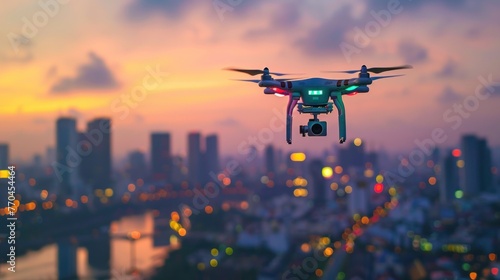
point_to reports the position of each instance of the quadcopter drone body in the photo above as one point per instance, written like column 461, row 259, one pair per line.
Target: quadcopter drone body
column 315, row 94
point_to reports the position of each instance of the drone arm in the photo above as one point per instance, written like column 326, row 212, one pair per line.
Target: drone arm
column 292, row 102
column 337, row 100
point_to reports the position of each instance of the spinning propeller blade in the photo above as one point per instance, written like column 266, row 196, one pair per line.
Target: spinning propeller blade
column 383, row 77
column 375, row 70
column 257, row 81
column 244, row 80
column 253, row 72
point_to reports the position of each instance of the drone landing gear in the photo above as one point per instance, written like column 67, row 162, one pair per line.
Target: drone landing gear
column 339, row 104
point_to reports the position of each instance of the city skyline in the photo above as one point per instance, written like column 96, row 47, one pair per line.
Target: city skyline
column 141, row 78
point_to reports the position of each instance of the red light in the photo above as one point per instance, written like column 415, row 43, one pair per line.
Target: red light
column 494, row 270
column 352, row 93
column 456, row 152
column 378, row 188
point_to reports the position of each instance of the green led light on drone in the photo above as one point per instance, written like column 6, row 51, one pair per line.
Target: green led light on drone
column 315, row 92
column 352, row 88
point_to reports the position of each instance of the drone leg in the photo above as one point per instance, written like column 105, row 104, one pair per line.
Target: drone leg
column 289, row 110
column 337, row 100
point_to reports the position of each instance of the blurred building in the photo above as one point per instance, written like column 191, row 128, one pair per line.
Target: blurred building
column 66, row 157
column 352, row 157
column 449, row 177
column 475, row 176
column 211, row 161
column 161, row 159
column 270, row 161
column 194, row 157
column 4, row 156
column 136, row 165
column 99, row 160
column 318, row 182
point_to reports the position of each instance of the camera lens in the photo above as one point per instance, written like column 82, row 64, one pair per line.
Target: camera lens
column 316, row 128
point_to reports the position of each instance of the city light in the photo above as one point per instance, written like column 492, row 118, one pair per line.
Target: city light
column 432, row 180
column 358, row 142
column 456, row 152
column 298, row 157
column 378, row 188
column 214, row 252
column 327, row 172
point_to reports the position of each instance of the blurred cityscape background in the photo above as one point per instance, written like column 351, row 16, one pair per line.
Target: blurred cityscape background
column 138, row 157
column 343, row 213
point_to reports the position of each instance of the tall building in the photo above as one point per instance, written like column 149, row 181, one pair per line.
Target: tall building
column 270, row 160
column 486, row 180
column 211, row 156
column 161, row 158
column 4, row 156
column 476, row 176
column 194, row 157
column 67, row 161
column 137, row 165
column 99, row 135
column 449, row 177
column 85, row 169
column 359, row 198
column 318, row 182
column 353, row 156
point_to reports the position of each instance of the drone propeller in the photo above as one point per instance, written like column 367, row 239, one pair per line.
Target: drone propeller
column 383, row 77
column 376, row 70
column 244, row 80
column 253, row 72
column 257, row 81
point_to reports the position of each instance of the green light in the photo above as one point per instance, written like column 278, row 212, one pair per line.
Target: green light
column 315, row 92
column 352, row 88
column 229, row 251
column 459, row 194
column 466, row 266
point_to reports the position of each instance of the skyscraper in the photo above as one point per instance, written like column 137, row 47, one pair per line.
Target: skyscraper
column 161, row 159
column 99, row 134
column 211, row 156
column 353, row 156
column 270, row 160
column 476, row 173
column 194, row 157
column 4, row 156
column 67, row 160
column 318, row 181
column 137, row 165
column 449, row 176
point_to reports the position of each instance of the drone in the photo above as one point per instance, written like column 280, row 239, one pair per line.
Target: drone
column 315, row 94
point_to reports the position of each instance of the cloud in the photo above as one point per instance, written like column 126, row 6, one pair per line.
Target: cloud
column 94, row 75
column 228, row 122
column 417, row 5
column 412, row 52
column 449, row 95
column 51, row 72
column 449, row 69
column 140, row 9
column 284, row 20
column 21, row 50
column 338, row 30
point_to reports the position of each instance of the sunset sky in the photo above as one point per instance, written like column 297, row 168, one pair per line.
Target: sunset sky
column 86, row 58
